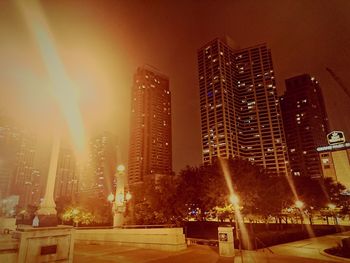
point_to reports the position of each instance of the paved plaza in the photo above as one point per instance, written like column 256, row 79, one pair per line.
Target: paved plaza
column 308, row 250
column 303, row 251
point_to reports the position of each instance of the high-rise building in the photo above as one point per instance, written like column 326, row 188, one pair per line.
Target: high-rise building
column 240, row 111
column 306, row 124
column 97, row 177
column 218, row 89
column 150, row 150
column 18, row 149
column 66, row 184
column 8, row 142
column 37, row 188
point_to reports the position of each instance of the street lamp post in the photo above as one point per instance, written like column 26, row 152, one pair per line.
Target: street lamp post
column 332, row 208
column 120, row 198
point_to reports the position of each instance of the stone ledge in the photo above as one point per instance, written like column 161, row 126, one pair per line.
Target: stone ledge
column 26, row 228
column 171, row 239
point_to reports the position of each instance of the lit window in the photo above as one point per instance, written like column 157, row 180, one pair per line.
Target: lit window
column 325, row 161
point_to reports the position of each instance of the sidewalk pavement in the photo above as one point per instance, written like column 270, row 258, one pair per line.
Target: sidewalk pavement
column 110, row 253
column 312, row 247
column 303, row 251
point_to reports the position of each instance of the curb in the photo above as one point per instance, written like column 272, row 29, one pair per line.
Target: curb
column 322, row 252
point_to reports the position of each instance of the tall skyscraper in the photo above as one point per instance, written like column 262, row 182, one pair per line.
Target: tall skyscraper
column 66, row 177
column 240, row 111
column 150, row 150
column 97, row 177
column 9, row 142
column 306, row 124
column 17, row 154
column 218, row 89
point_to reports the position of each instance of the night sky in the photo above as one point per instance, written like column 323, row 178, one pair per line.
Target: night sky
column 101, row 43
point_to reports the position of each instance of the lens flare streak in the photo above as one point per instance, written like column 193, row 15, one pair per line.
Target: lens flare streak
column 238, row 215
column 61, row 85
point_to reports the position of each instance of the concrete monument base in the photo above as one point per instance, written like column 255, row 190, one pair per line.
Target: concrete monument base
column 7, row 223
column 45, row 244
column 8, row 249
column 48, row 220
column 168, row 239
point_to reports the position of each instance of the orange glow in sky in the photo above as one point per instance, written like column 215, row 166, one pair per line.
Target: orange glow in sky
column 61, row 85
column 58, row 72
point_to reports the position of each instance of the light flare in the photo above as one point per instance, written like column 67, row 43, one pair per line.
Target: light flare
column 235, row 202
column 300, row 205
column 63, row 89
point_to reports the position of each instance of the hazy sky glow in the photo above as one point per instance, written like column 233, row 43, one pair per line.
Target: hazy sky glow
column 101, row 43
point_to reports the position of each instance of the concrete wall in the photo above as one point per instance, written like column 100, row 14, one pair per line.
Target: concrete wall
column 342, row 166
column 7, row 223
column 45, row 244
column 169, row 239
column 8, row 249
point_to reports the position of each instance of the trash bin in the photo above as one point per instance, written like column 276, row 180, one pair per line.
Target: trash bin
column 226, row 247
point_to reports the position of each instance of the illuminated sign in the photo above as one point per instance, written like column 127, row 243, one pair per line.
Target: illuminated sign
column 333, row 147
column 223, row 237
column 336, row 137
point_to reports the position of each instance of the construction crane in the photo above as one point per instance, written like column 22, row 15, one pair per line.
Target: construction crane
column 338, row 80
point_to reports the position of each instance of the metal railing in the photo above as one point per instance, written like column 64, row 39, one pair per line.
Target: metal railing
column 126, row 227
column 200, row 241
column 257, row 240
column 149, row 226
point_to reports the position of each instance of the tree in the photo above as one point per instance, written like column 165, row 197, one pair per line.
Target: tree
column 274, row 196
column 201, row 189
column 78, row 215
column 202, row 193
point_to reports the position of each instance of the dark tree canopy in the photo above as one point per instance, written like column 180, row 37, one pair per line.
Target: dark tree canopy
column 196, row 191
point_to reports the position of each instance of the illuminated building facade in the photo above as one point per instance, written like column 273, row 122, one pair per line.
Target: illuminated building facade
column 21, row 166
column 66, row 178
column 240, row 111
column 37, row 188
column 335, row 160
column 97, row 177
column 150, row 152
column 8, row 142
column 217, row 87
column 306, row 124
column 22, row 177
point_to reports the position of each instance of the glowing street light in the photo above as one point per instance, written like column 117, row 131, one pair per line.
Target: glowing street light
column 110, row 197
column 121, row 168
column 331, row 206
column 128, row 196
column 234, row 199
column 75, row 211
column 299, row 204
column 120, row 198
